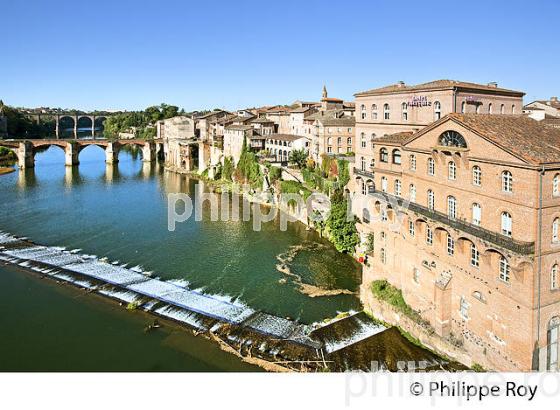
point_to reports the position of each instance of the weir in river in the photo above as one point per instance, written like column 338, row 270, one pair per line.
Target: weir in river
column 250, row 332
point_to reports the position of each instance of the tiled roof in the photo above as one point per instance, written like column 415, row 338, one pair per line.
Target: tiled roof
column 550, row 103
column 437, row 85
column 333, row 118
column 239, row 127
column 285, row 137
column 527, row 139
column 397, row 138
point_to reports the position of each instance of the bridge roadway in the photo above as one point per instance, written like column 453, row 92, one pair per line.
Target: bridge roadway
column 26, row 149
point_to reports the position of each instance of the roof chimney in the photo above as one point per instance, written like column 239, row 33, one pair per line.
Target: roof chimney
column 400, row 84
column 493, row 84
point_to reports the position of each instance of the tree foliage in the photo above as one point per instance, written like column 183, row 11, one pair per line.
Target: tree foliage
column 342, row 228
column 298, row 157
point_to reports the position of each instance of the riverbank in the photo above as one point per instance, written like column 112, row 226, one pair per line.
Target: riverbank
column 6, row 170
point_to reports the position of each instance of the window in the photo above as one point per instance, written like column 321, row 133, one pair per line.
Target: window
column 363, row 110
column 504, row 269
column 349, row 141
column 555, row 226
column 372, row 163
column 383, row 155
column 329, row 150
column 451, row 207
column 363, row 164
column 476, row 214
column 554, row 277
column 374, row 111
column 437, row 110
column 507, row 181
column 386, row 111
column 384, row 184
column 478, row 108
column 464, row 308
column 396, row 157
column 416, row 275
column 397, row 187
column 363, row 141
column 364, row 188
column 502, row 109
column 463, row 107
column 431, row 199
column 412, row 161
column 506, row 224
column 513, row 109
column 556, row 185
column 339, row 141
column 475, row 256
column 429, row 236
column 412, row 193
column 476, row 175
column 431, row 167
column 383, row 256
column 365, row 215
column 450, row 245
column 404, row 110
column 552, row 341
column 490, row 108
column 384, row 216
column 452, row 171
column 452, row 139
column 411, row 228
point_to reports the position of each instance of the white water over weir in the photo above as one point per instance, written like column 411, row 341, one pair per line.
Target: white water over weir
column 173, row 299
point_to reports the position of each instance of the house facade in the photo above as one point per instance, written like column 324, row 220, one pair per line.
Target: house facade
column 464, row 217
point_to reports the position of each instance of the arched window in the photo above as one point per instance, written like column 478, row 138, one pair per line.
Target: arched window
column 452, row 207
column 412, row 162
column 383, row 155
column 363, row 111
column 475, row 256
column 490, row 108
column 513, row 109
column 437, row 110
column 452, row 171
column 431, row 199
column 476, row 214
column 373, row 111
column 556, row 185
column 396, row 157
column 554, row 277
column 365, row 216
column 476, row 175
column 507, row 181
column 404, row 111
column 412, row 193
column 363, row 141
column 363, row 164
column 463, row 107
column 552, row 342
column 505, row 270
column 398, row 187
column 431, row 167
column 555, row 227
column 452, row 139
column 349, row 141
column 384, row 184
column 386, row 111
column 478, row 108
column 506, row 224
column 329, row 141
column 502, row 109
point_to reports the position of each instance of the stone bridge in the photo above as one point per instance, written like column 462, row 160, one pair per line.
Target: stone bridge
column 26, row 149
column 94, row 119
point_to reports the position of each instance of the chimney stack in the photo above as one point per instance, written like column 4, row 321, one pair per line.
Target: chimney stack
column 493, row 84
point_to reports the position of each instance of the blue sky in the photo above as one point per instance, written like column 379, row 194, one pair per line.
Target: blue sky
column 206, row 54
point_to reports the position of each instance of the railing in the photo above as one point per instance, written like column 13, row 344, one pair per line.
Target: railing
column 363, row 173
column 520, row 247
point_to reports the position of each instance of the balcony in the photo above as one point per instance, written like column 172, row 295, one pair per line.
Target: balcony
column 520, row 247
column 367, row 174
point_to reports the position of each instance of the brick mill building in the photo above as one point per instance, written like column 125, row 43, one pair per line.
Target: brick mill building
column 475, row 246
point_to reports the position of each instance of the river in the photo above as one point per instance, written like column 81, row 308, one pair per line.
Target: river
column 120, row 212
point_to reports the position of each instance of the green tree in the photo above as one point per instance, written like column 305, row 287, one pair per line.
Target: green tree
column 342, row 228
column 298, row 157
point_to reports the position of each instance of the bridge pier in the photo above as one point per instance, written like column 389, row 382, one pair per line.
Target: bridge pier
column 149, row 151
column 71, row 153
column 111, row 153
column 26, row 156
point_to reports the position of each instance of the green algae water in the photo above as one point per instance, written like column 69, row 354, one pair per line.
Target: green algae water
column 120, row 212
